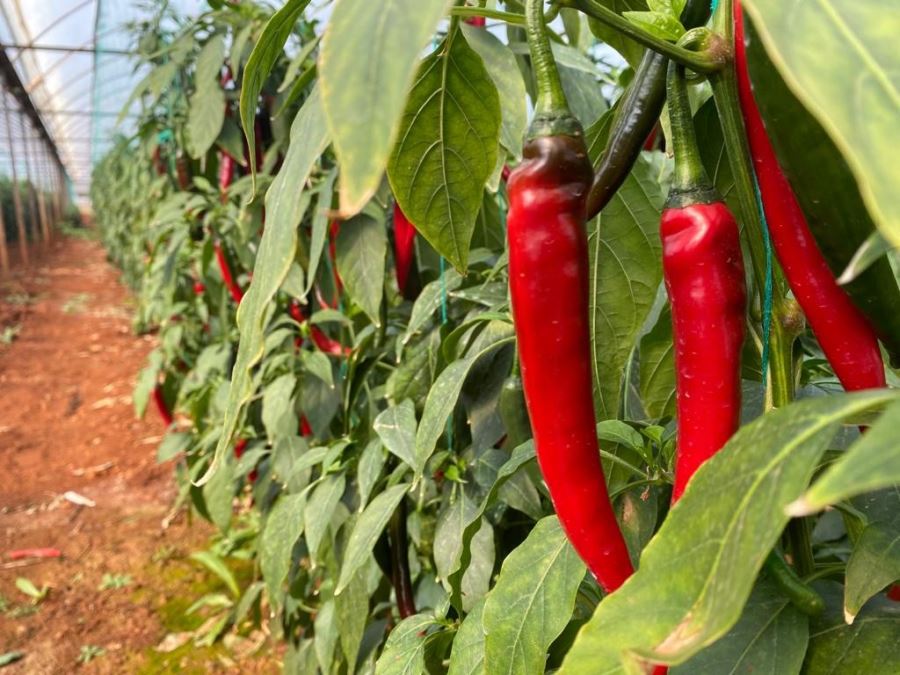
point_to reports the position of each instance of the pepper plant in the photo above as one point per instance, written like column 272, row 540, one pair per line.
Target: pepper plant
column 355, row 347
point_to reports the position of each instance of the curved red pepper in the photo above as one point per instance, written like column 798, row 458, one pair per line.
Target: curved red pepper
column 477, row 21
column 404, row 248
column 160, row 400
column 704, row 274
column 227, row 168
column 845, row 335
column 199, row 288
column 320, row 339
column 548, row 276
column 227, row 277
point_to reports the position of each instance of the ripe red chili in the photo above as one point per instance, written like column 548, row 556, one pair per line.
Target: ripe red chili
column 322, row 342
column 161, row 406
column 704, row 275
column 548, row 270
column 227, row 167
column 227, row 276
column 199, row 288
column 404, row 250
column 845, row 335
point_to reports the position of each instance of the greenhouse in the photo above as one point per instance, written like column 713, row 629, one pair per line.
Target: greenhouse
column 449, row 337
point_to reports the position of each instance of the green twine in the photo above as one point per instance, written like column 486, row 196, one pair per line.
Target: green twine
column 769, row 282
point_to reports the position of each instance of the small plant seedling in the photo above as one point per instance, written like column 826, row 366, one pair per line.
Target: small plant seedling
column 115, row 581
column 36, row 594
column 90, row 652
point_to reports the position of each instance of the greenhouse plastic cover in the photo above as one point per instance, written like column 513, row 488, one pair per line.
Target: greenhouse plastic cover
column 78, row 93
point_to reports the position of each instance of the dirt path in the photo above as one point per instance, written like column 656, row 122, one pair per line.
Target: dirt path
column 67, row 425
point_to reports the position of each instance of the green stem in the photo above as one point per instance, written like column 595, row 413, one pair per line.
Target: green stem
column 702, row 62
column 551, row 99
column 508, row 17
column 690, row 174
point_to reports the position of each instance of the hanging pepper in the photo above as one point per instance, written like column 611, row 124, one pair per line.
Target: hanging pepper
column 845, row 335
column 636, row 117
column 405, row 253
column 548, row 277
column 704, row 275
column 236, row 293
column 159, row 398
column 322, row 342
column 227, row 167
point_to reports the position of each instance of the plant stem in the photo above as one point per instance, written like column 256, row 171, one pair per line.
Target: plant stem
column 701, row 62
column 508, row 17
column 551, row 99
column 690, row 174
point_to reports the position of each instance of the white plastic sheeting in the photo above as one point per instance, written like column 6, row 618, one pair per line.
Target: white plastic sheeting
column 77, row 90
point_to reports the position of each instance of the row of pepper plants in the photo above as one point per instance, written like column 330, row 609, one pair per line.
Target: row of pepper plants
column 614, row 399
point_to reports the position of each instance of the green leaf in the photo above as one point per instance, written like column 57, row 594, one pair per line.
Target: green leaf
column 630, row 50
column 769, row 639
column 447, row 147
column 218, row 494
column 698, row 571
column 873, row 248
column 278, row 414
column 361, row 255
column 156, row 81
column 371, row 463
column 657, row 366
column 319, row 228
column 659, row 24
column 396, row 427
column 532, row 601
column 259, row 66
column 285, row 204
column 875, row 561
column 366, row 530
column 352, row 611
column 625, row 252
column 467, row 656
column 367, row 63
column 504, row 71
column 404, row 653
column 870, row 464
column 520, row 456
column 319, row 509
column 441, row 401
column 326, row 635
column 863, row 60
column 868, row 646
column 206, row 111
column 217, row 566
column 281, row 531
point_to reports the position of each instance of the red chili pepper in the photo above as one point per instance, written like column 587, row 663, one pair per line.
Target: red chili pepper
column 305, row 428
column 160, row 400
column 296, row 311
column 199, row 288
column 227, row 277
column 845, row 335
column 650, row 143
column 894, row 593
column 25, row 553
column 704, row 274
column 319, row 338
column 404, row 249
column 477, row 21
column 227, row 167
column 548, row 277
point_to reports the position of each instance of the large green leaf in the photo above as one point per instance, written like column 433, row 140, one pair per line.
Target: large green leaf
column 286, row 202
column 361, row 253
column 697, row 573
column 319, row 509
column 625, row 252
column 366, row 530
column 404, row 653
column 206, row 112
column 875, row 562
column 630, row 50
column 853, row 88
column 532, row 601
column 396, row 427
column 867, row 646
column 368, row 59
column 657, row 366
column 503, row 69
column 447, row 147
column 872, row 463
column 281, row 530
column 770, row 639
column 467, row 656
column 259, row 66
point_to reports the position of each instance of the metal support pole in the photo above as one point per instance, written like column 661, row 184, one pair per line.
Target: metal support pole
column 38, row 218
column 17, row 198
column 4, row 253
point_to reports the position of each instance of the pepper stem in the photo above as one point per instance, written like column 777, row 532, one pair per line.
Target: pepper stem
column 690, row 174
column 551, row 99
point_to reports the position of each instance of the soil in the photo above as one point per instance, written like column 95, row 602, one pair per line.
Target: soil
column 68, row 434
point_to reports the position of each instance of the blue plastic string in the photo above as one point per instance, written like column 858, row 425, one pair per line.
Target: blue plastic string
column 769, row 282
column 713, row 5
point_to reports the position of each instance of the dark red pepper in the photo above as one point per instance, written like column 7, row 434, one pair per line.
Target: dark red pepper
column 159, row 398
column 404, row 251
column 548, row 277
column 845, row 335
column 704, row 274
column 227, row 168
